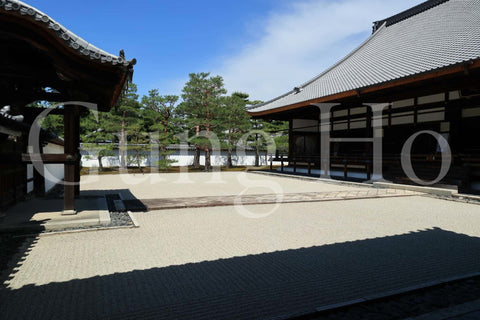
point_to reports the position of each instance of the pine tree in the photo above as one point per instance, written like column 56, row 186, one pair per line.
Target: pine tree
column 126, row 115
column 95, row 136
column 160, row 110
column 235, row 120
column 201, row 109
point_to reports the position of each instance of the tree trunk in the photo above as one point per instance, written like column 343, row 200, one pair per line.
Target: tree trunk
column 229, row 159
column 208, row 165
column 137, row 151
column 100, row 165
column 196, row 158
column 257, row 153
column 138, row 161
column 122, row 144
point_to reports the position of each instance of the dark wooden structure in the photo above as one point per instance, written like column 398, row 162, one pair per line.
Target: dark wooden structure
column 412, row 63
column 40, row 60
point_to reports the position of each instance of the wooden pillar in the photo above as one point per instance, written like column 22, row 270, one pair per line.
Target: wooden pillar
column 39, row 179
column 70, row 117
column 453, row 115
column 290, row 138
column 369, row 171
column 390, row 115
column 77, row 150
column 415, row 111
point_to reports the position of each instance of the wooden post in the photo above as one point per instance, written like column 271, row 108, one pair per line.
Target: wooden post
column 271, row 162
column 39, row 179
column 282, row 161
column 77, row 150
column 69, row 168
column 309, row 167
column 294, row 165
column 290, row 138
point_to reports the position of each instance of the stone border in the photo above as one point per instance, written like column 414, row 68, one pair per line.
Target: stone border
column 134, row 220
column 312, row 179
column 438, row 193
column 422, row 189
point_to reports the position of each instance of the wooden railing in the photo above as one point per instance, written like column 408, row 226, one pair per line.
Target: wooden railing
column 461, row 165
column 315, row 161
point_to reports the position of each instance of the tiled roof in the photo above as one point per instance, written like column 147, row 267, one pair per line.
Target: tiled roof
column 445, row 33
column 24, row 128
column 78, row 44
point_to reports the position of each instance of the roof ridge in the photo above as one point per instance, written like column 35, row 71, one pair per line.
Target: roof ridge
column 324, row 72
column 81, row 46
column 422, row 7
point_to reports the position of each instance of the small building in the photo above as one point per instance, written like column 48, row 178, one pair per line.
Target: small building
column 417, row 74
column 41, row 60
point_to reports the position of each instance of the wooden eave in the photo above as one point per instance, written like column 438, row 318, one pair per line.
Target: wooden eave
column 381, row 89
column 78, row 77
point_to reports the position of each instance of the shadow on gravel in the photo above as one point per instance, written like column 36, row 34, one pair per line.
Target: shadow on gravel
column 18, row 232
column 272, row 285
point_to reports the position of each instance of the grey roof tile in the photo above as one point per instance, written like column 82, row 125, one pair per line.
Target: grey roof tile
column 72, row 40
column 445, row 33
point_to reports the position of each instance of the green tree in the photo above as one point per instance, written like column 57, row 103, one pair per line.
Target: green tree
column 276, row 129
column 201, row 109
column 96, row 137
column 138, row 143
column 123, row 124
column 54, row 123
column 160, row 109
column 126, row 116
column 236, row 121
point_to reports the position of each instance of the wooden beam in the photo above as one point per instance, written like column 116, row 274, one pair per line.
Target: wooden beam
column 47, row 158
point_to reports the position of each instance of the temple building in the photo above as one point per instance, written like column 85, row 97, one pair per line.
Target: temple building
column 40, row 60
column 417, row 74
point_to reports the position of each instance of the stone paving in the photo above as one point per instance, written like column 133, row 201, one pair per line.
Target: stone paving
column 173, row 185
column 198, row 202
column 216, row 263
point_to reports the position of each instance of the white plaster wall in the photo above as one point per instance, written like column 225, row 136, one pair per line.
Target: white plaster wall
column 56, row 170
column 184, row 158
column 29, row 176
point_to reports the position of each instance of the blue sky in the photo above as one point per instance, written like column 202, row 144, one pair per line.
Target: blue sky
column 262, row 47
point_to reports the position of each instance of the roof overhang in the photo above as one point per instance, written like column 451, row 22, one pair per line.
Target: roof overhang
column 37, row 52
column 381, row 91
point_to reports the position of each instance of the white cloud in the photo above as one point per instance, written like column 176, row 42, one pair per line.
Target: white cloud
column 298, row 43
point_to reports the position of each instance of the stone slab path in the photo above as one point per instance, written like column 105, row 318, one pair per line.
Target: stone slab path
column 217, row 201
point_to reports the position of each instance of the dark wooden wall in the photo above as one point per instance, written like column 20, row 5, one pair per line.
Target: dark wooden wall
column 13, row 176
